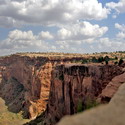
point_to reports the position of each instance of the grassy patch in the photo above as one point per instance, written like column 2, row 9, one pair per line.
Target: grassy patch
column 80, row 106
column 89, row 103
column 9, row 118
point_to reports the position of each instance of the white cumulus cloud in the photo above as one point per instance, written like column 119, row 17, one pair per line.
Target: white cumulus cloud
column 21, row 40
column 121, row 34
column 106, row 44
column 45, row 35
column 120, row 27
column 119, row 7
column 81, row 31
column 50, row 12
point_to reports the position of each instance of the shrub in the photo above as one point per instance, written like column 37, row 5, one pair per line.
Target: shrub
column 106, row 62
column 120, row 61
column 84, row 61
column 90, row 103
column 94, row 60
column 80, row 106
column 116, row 58
column 100, row 59
column 116, row 63
column 106, row 58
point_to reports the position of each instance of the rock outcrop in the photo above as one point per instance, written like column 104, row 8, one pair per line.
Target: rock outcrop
column 74, row 85
column 112, row 88
column 25, row 81
column 110, row 114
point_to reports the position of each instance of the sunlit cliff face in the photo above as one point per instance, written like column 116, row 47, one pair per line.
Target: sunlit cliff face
column 25, row 82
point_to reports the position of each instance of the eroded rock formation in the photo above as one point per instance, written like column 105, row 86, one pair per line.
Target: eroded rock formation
column 73, row 85
column 112, row 88
column 25, row 81
column 110, row 114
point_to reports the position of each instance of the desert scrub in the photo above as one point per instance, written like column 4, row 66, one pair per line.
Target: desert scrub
column 120, row 61
column 90, row 103
column 80, row 106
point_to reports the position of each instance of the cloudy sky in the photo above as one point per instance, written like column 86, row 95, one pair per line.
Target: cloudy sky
column 78, row 26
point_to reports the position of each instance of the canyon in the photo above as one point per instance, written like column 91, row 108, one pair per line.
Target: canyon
column 25, row 81
column 75, row 85
column 46, row 87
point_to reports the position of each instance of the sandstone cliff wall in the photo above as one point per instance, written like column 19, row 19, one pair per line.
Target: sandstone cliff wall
column 110, row 114
column 73, row 85
column 25, row 82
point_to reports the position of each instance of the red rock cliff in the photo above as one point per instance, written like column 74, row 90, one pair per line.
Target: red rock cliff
column 25, row 82
column 72, row 84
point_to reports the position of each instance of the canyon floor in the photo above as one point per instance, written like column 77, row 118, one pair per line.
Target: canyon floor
column 9, row 118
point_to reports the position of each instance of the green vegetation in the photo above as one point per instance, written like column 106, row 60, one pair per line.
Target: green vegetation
column 94, row 60
column 106, row 62
column 84, row 61
column 116, row 63
column 97, row 60
column 116, row 58
column 120, row 61
column 80, row 106
column 9, row 118
column 120, row 51
column 101, row 59
column 90, row 103
column 106, row 58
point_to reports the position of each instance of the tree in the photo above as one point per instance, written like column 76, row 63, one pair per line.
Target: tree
column 94, row 60
column 116, row 57
column 120, row 61
column 84, row 61
column 106, row 58
column 100, row 59
column 106, row 62
column 116, row 63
